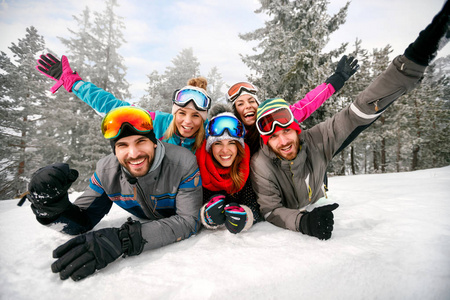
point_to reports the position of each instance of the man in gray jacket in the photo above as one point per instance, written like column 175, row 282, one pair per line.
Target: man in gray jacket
column 152, row 180
column 288, row 172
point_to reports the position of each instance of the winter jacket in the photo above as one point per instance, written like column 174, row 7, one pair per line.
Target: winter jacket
column 284, row 188
column 102, row 102
column 170, row 196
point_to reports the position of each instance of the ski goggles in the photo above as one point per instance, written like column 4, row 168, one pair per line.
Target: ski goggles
column 235, row 90
column 139, row 118
column 281, row 116
column 183, row 96
column 218, row 125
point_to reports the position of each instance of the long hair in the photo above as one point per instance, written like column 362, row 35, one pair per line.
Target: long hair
column 236, row 176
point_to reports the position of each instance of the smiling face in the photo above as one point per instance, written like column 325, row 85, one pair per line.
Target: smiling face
column 136, row 154
column 188, row 122
column 225, row 152
column 285, row 143
column 246, row 106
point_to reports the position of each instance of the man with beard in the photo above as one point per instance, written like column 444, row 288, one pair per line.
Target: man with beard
column 287, row 173
column 150, row 179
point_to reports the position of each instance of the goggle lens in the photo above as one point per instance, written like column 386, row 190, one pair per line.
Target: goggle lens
column 283, row 117
column 201, row 101
column 235, row 90
column 218, row 125
column 136, row 117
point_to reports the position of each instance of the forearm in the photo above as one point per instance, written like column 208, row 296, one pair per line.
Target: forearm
column 97, row 98
column 74, row 221
column 169, row 230
column 312, row 101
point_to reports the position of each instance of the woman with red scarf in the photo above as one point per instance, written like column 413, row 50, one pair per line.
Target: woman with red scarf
column 224, row 161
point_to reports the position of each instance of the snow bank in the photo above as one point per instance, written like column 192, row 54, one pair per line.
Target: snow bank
column 391, row 241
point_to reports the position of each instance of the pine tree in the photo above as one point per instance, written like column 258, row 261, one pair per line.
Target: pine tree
column 23, row 125
column 161, row 87
column 290, row 61
column 215, row 84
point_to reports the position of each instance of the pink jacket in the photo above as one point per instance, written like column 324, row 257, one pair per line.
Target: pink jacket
column 312, row 101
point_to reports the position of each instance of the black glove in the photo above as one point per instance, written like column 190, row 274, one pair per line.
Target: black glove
column 214, row 214
column 431, row 39
column 236, row 218
column 48, row 190
column 319, row 222
column 84, row 254
column 346, row 67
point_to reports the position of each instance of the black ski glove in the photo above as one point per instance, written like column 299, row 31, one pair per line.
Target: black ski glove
column 319, row 222
column 84, row 254
column 214, row 214
column 236, row 218
column 346, row 67
column 431, row 39
column 48, row 190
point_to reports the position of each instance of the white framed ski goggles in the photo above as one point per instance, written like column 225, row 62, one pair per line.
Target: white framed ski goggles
column 200, row 100
column 281, row 116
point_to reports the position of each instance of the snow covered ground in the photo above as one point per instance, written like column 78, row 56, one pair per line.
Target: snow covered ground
column 391, row 241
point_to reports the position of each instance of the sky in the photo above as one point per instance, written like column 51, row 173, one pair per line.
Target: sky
column 391, row 240
column 156, row 31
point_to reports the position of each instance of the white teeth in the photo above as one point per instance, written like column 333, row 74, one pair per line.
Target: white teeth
column 187, row 128
column 287, row 148
column 249, row 114
column 137, row 162
column 226, row 157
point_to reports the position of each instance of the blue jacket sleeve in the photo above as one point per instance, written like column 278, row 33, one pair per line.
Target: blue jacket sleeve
column 100, row 100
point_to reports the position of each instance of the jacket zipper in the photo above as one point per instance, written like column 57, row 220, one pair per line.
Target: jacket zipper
column 147, row 205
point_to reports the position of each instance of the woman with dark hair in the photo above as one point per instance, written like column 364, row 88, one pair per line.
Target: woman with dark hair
column 224, row 161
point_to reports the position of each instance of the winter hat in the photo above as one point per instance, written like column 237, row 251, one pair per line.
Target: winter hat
column 217, row 111
column 128, row 130
column 266, row 108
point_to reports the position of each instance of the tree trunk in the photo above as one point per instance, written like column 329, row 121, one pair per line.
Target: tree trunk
column 352, row 159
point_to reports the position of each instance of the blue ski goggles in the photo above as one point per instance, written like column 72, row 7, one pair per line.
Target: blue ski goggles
column 218, row 125
column 183, row 96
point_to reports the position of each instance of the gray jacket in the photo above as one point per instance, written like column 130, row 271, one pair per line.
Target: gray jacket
column 170, row 195
column 284, row 188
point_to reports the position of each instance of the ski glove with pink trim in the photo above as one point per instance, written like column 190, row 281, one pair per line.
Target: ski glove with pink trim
column 214, row 214
column 236, row 218
column 57, row 70
column 319, row 222
column 86, row 253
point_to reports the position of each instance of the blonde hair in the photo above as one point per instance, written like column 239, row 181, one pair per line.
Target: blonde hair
column 200, row 135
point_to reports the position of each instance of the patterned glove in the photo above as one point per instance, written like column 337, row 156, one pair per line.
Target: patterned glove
column 319, row 222
column 59, row 71
column 214, row 214
column 236, row 218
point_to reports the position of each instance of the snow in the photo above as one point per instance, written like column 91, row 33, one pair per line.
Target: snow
column 391, row 241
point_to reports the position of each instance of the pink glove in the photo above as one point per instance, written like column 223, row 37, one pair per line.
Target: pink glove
column 59, row 71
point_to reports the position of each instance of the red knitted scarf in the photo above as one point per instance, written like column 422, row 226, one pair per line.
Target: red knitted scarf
column 212, row 176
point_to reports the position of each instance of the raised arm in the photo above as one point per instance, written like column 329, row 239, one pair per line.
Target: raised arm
column 316, row 97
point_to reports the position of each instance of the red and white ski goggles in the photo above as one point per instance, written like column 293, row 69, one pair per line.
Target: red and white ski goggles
column 236, row 90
